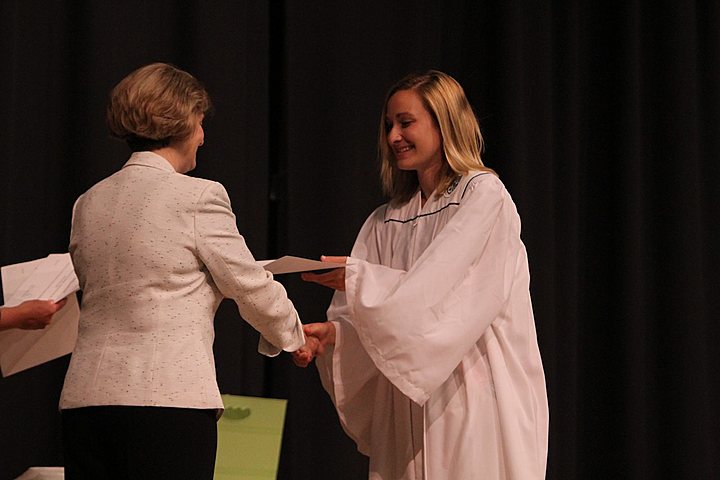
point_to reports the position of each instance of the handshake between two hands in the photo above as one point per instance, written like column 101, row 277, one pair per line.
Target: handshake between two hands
column 320, row 335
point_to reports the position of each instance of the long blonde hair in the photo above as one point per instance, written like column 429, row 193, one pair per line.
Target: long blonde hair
column 445, row 100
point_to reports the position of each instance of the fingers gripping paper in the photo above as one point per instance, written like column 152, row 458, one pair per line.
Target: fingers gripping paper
column 50, row 278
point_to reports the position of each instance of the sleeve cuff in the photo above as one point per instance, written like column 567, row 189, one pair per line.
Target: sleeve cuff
column 297, row 340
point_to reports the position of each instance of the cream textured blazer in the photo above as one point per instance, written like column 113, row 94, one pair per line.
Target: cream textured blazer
column 155, row 252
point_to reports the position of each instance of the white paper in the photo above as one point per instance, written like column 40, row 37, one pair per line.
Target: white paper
column 290, row 264
column 50, row 278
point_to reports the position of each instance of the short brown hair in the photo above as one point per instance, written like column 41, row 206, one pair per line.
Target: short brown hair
column 155, row 105
column 445, row 100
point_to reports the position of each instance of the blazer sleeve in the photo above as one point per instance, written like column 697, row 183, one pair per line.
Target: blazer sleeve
column 262, row 301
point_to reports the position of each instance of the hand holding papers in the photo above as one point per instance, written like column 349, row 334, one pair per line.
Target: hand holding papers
column 290, row 264
column 334, row 279
column 30, row 314
column 50, row 278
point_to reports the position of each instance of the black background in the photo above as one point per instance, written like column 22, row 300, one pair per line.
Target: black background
column 602, row 119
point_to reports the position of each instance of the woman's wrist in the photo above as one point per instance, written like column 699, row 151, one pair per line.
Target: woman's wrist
column 6, row 317
column 331, row 339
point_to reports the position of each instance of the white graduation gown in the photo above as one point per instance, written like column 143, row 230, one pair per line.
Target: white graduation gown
column 436, row 372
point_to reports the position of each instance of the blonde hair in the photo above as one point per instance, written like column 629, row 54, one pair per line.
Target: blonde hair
column 155, row 105
column 444, row 98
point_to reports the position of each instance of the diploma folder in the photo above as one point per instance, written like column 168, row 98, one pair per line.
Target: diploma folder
column 290, row 264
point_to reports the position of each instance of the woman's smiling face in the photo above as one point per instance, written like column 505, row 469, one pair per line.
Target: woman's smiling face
column 412, row 134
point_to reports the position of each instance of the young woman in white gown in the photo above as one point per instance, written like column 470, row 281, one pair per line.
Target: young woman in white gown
column 430, row 353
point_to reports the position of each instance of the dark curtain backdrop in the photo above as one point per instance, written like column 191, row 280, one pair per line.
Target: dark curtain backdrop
column 602, row 118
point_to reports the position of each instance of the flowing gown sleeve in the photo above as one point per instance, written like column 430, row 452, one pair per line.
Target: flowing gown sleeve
column 417, row 325
column 347, row 373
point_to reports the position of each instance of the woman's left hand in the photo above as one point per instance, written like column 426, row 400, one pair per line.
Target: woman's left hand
column 334, row 279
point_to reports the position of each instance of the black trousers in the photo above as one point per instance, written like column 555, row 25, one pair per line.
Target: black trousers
column 139, row 443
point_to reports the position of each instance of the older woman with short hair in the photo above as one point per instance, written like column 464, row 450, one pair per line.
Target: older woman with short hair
column 155, row 252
